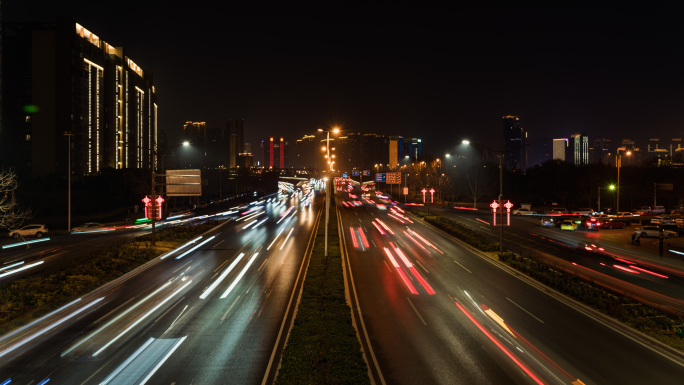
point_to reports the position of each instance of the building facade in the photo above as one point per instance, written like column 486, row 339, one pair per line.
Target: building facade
column 69, row 81
column 580, row 149
column 514, row 142
column 236, row 140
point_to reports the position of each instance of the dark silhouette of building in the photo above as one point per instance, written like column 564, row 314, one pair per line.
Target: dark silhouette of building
column 67, row 80
column 601, row 151
column 236, row 142
column 514, row 141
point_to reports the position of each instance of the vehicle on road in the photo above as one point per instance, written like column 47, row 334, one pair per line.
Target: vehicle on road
column 662, row 220
column 624, row 214
column 679, row 229
column 557, row 211
column 608, row 224
column 29, row 230
column 568, row 225
column 587, row 212
column 654, row 231
column 87, row 227
column 522, row 211
column 546, row 222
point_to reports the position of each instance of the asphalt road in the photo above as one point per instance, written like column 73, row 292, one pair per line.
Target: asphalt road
column 430, row 311
column 218, row 313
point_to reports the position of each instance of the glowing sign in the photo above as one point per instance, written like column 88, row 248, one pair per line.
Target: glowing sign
column 494, row 205
column 423, row 191
column 432, row 194
column 153, row 210
column 508, row 205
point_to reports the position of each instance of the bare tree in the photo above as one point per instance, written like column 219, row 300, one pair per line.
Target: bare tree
column 477, row 181
column 12, row 215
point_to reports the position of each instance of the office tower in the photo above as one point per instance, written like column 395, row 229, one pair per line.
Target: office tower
column 396, row 147
column 349, row 152
column 560, row 148
column 68, row 80
column 580, row 149
column 514, row 141
column 273, row 152
column 543, row 150
column 413, row 148
column 217, row 156
column 235, row 134
column 375, row 150
column 602, row 151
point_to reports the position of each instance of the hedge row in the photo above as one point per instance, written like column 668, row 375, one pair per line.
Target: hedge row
column 646, row 319
column 322, row 347
column 27, row 298
column 463, row 233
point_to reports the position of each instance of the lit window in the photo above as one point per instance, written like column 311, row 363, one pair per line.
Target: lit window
column 28, row 137
column 28, row 118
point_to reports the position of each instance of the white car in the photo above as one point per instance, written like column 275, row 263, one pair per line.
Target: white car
column 87, row 227
column 29, row 230
column 587, row 212
column 652, row 231
column 522, row 211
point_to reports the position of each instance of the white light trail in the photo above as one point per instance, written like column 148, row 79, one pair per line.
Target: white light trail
column 196, row 247
column 21, row 268
column 187, row 244
column 160, row 304
column 161, row 362
column 275, row 239
column 25, row 243
column 7, row 267
column 232, row 285
column 221, row 277
column 288, row 237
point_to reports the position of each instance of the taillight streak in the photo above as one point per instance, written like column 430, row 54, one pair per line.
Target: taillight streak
column 424, row 240
column 417, row 243
column 363, row 238
column 415, row 272
column 378, row 227
column 353, row 236
column 408, row 283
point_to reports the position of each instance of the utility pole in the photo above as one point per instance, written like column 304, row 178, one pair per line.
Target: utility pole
column 501, row 196
column 69, row 134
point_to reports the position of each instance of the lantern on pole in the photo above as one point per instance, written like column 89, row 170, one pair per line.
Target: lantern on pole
column 508, row 205
column 423, row 191
column 494, row 205
column 432, row 194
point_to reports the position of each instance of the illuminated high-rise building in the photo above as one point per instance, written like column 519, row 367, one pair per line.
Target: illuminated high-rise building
column 235, row 129
column 69, row 80
column 579, row 144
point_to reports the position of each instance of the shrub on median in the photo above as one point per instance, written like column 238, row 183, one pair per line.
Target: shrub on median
column 322, row 347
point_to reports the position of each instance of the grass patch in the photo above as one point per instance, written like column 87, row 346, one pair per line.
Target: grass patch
column 322, row 347
column 26, row 299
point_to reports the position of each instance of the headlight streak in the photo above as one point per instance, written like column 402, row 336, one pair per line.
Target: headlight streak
column 247, row 226
column 161, row 362
column 179, row 248
column 275, row 239
column 7, row 381
column 49, row 327
column 257, row 225
column 25, row 243
column 44, row 382
column 93, row 231
column 196, row 247
column 413, row 270
column 396, row 265
column 21, row 268
column 288, row 237
column 114, row 320
column 9, row 266
column 137, row 321
column 237, row 279
column 499, row 345
column 221, row 277
column 128, row 361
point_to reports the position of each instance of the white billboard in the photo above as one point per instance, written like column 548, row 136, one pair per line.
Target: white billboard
column 183, row 183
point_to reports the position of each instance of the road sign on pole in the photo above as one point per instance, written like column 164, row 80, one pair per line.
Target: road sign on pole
column 405, row 190
column 380, row 177
column 355, row 172
column 366, row 172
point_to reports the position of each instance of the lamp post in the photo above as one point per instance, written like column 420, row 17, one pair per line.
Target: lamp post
column 611, row 187
column 619, row 162
column 327, row 185
column 69, row 134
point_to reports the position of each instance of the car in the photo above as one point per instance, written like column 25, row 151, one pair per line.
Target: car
column 624, row 214
column 679, row 229
column 662, row 220
column 29, row 230
column 607, row 224
column 522, row 211
column 587, row 212
column 87, row 227
column 653, row 231
column 546, row 222
column 568, row 225
column 557, row 211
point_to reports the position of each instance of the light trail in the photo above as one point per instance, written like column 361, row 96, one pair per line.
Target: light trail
column 424, row 240
column 275, row 239
column 178, row 248
column 195, row 248
column 49, row 327
column 396, row 265
column 353, row 237
column 363, row 238
column 417, row 243
column 288, row 237
column 378, row 227
column 221, row 277
column 648, row 271
column 137, row 321
column 9, row 266
column 242, row 273
column 25, row 243
column 413, row 270
column 21, row 268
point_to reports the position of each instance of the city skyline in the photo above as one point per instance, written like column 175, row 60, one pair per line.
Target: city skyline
column 445, row 78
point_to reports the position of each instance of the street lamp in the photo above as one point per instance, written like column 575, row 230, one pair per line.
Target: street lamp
column 335, row 130
column 619, row 162
column 611, row 187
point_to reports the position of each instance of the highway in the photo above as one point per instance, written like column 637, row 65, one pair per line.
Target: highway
column 431, row 311
column 214, row 311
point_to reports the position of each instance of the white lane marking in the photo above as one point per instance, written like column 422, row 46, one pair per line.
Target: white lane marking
column 223, row 264
column 174, row 321
column 374, row 243
column 388, row 268
column 228, row 311
column 218, row 243
column 419, row 264
column 182, row 266
column 416, row 310
column 464, row 268
column 523, row 309
column 486, row 228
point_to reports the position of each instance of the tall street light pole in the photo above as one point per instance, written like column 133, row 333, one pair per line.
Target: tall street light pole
column 328, row 185
column 619, row 163
column 69, row 134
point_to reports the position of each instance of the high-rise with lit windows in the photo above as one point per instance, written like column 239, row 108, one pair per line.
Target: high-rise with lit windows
column 69, row 80
column 514, row 144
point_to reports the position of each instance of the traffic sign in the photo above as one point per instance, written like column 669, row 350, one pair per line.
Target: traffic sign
column 393, row 178
column 366, row 172
column 380, row 177
column 405, row 190
column 355, row 172
column 344, row 175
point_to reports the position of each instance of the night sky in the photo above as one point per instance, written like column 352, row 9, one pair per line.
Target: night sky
column 438, row 74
